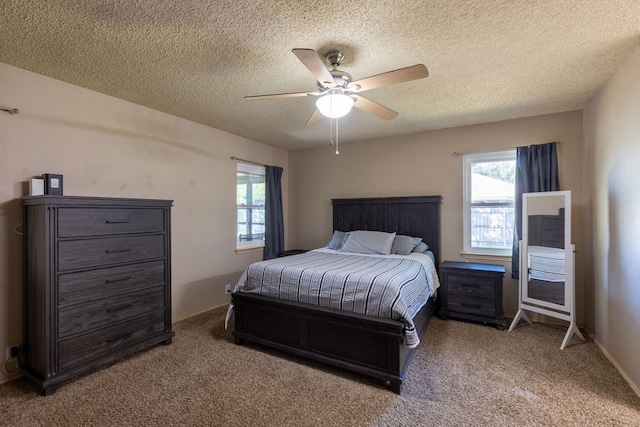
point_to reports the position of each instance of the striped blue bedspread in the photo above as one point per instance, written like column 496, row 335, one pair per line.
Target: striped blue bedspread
column 390, row 286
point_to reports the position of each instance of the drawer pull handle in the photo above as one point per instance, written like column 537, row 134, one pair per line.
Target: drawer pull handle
column 117, row 251
column 122, row 279
column 115, row 221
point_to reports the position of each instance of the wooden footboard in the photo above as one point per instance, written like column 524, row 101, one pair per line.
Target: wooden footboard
column 364, row 344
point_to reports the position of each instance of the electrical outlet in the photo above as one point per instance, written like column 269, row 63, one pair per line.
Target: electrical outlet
column 227, row 289
column 10, row 352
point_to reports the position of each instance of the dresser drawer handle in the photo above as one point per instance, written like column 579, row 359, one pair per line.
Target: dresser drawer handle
column 111, row 221
column 123, row 279
column 117, row 251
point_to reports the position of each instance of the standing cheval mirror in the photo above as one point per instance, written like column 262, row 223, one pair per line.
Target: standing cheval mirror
column 547, row 283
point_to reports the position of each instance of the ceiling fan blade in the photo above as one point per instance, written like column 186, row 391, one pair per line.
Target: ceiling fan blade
column 392, row 77
column 279, row 95
column 314, row 119
column 374, row 108
column 314, row 63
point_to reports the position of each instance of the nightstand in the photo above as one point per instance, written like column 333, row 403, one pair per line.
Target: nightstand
column 292, row 252
column 472, row 292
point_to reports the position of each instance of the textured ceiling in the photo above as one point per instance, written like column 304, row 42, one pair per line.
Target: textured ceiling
column 488, row 60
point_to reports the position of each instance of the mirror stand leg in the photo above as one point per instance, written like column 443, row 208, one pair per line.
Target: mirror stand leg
column 573, row 329
column 519, row 315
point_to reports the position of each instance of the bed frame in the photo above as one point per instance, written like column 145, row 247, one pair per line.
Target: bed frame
column 364, row 344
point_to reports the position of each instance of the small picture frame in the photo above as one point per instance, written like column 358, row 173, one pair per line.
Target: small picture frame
column 36, row 187
column 52, row 184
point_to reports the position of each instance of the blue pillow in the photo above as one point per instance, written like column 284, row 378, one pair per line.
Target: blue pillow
column 336, row 240
column 368, row 242
column 421, row 247
column 403, row 245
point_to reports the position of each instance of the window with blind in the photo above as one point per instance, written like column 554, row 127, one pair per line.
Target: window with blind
column 489, row 194
column 250, row 196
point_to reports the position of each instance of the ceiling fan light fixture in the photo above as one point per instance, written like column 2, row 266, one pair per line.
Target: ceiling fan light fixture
column 334, row 104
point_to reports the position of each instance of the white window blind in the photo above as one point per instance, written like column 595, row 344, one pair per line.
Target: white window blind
column 489, row 194
column 250, row 206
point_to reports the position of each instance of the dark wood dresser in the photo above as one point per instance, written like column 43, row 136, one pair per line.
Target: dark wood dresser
column 97, row 283
column 472, row 292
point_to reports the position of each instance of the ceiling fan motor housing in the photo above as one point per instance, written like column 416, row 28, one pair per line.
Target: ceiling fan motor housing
column 334, row 57
column 342, row 79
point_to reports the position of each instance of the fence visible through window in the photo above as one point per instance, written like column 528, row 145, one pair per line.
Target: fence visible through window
column 492, row 227
column 250, row 201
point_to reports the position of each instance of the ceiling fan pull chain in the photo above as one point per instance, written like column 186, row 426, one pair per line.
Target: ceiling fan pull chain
column 337, row 139
column 331, row 132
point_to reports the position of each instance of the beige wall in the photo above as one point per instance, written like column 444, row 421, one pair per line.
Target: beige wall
column 612, row 190
column 104, row 146
column 424, row 164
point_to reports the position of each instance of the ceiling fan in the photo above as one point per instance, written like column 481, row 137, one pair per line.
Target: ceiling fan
column 337, row 92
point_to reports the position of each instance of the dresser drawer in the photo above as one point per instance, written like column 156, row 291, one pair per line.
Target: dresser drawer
column 96, row 314
column 474, row 306
column 76, row 254
column 478, row 286
column 83, row 349
column 80, row 222
column 102, row 282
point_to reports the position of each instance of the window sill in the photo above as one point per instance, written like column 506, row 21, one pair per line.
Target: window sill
column 249, row 249
column 485, row 257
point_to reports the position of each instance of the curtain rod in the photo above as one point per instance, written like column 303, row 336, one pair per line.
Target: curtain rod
column 248, row 161
column 10, row 110
column 456, row 153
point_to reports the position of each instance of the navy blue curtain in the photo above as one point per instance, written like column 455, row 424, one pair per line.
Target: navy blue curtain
column 536, row 170
column 273, row 217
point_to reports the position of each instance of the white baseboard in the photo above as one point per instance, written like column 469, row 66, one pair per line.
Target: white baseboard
column 613, row 362
column 10, row 378
column 226, row 304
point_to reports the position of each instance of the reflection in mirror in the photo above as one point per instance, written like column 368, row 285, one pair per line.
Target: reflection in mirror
column 546, row 243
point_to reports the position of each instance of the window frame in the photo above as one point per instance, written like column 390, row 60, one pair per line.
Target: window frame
column 468, row 161
column 244, row 167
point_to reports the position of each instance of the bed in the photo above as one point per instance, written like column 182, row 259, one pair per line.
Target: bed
column 374, row 346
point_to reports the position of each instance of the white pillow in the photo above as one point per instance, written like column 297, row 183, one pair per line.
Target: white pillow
column 368, row 242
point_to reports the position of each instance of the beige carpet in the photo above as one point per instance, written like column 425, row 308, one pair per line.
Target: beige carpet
column 462, row 374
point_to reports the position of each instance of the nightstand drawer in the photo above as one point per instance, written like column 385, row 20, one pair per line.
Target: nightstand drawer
column 477, row 306
column 475, row 286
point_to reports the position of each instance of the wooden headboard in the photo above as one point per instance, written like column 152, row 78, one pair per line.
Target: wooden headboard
column 417, row 216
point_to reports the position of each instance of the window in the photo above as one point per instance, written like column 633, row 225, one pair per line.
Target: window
column 489, row 193
column 250, row 197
